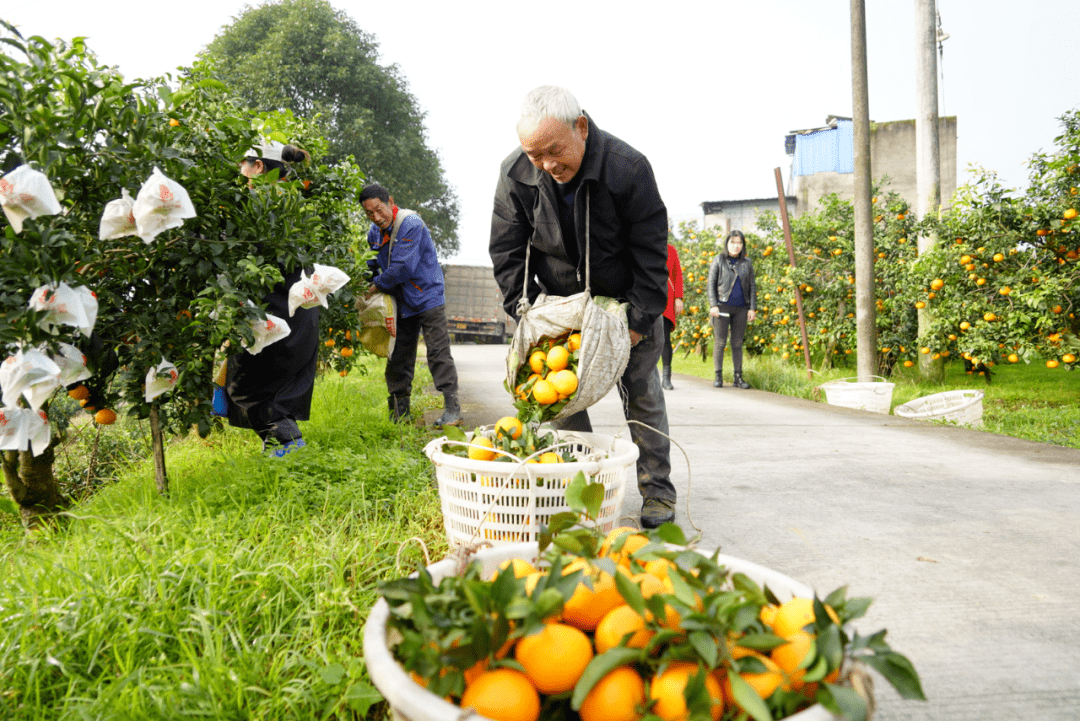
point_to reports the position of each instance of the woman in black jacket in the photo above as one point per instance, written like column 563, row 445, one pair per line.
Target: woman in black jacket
column 732, row 304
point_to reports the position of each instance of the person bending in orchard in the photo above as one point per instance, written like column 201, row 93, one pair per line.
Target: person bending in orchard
column 407, row 268
column 567, row 172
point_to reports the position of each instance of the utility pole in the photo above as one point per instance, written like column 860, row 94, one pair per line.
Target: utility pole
column 865, row 312
column 927, row 152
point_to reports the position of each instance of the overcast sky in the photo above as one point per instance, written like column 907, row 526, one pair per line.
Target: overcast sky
column 707, row 90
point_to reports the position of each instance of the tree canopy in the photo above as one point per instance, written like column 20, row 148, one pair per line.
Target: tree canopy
column 307, row 57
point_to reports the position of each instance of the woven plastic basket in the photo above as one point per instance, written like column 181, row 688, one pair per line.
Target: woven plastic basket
column 501, row 502
column 963, row 407
column 873, row 396
column 411, row 702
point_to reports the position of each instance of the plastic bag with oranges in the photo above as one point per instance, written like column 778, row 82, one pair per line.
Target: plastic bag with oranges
column 597, row 356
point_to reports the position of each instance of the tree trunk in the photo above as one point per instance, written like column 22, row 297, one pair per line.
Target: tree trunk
column 32, row 484
column 158, row 443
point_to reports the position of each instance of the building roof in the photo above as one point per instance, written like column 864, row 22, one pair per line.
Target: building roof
column 714, row 206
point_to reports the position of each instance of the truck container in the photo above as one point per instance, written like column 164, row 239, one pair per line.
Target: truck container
column 474, row 305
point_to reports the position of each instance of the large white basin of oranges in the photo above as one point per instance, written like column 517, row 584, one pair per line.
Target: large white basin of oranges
column 654, row 663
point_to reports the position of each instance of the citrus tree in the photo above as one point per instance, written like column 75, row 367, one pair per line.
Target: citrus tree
column 1006, row 271
column 1002, row 281
column 185, row 293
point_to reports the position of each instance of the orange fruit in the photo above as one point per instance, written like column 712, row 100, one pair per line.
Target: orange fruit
column 998, row 257
column 346, row 352
column 920, row 304
column 79, row 392
column 522, row 568
column 544, row 392
column 792, row 615
column 330, row 343
column 1071, row 212
column 1049, row 364
column 632, row 543
column 588, row 606
column 173, row 122
column 537, row 361
column 574, row 341
column 790, row 655
column 481, row 453
column 558, row 358
column 549, row 457
column 343, row 373
column 764, row 683
column 565, row 382
column 989, row 317
column 908, row 364
column 1068, row 358
column 1013, row 358
column 105, row 417
column 503, row 694
column 616, row 625
column 509, row 425
column 555, row 657
column 937, row 284
column 669, row 690
column 965, row 325
column 618, row 696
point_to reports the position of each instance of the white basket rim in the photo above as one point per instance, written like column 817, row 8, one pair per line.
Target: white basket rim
column 620, row 453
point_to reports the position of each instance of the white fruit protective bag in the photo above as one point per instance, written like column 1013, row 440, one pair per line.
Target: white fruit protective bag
column 24, row 429
column 65, row 306
column 267, row 332
column 72, row 364
column 118, row 218
column 30, row 374
column 26, row 193
column 160, row 379
column 312, row 291
column 162, row 204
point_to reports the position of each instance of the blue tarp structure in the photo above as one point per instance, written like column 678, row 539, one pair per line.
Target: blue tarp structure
column 832, row 149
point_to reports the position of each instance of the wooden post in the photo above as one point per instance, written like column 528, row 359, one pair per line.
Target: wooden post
column 157, row 440
column 791, row 261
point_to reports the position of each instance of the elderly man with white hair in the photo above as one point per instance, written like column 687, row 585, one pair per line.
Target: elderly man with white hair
column 568, row 173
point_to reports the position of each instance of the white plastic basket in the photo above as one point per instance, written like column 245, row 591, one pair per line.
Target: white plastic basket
column 501, row 502
column 873, row 396
column 411, row 702
column 963, row 407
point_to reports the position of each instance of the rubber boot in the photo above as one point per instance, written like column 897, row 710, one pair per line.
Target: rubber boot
column 738, row 381
column 719, row 382
column 451, row 411
column 399, row 408
column 666, row 382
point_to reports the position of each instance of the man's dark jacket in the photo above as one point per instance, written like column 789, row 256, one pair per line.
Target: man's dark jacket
column 628, row 230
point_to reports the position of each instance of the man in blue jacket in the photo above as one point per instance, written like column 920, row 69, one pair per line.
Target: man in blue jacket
column 568, row 182
column 407, row 268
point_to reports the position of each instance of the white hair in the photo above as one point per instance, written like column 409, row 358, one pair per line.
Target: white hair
column 547, row 101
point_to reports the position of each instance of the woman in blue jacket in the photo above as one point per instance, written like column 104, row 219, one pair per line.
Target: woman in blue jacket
column 732, row 304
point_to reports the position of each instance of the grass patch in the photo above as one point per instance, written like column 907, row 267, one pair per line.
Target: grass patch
column 1023, row 401
column 243, row 595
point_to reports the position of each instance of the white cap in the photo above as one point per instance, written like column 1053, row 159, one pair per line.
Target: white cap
column 270, row 151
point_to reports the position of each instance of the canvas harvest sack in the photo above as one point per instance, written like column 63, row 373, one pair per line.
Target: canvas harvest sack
column 378, row 313
column 605, row 335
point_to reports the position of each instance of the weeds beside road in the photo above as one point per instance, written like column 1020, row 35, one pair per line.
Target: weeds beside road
column 242, row 596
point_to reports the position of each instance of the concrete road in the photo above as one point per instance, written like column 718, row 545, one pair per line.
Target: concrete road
column 967, row 541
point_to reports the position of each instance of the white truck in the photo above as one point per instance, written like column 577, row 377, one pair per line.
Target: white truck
column 474, row 305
